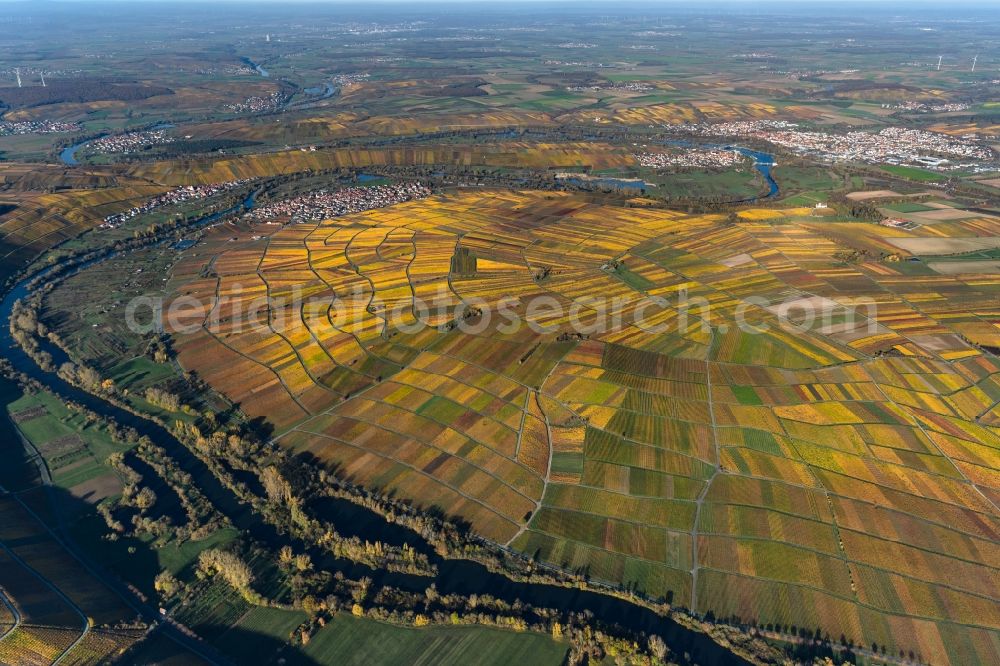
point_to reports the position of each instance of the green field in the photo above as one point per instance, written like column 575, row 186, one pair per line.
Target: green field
column 914, row 173
column 74, row 450
column 177, row 558
column 908, row 207
column 806, row 199
column 257, row 631
column 139, row 372
column 728, row 184
column 352, row 641
column 811, row 179
column 633, row 280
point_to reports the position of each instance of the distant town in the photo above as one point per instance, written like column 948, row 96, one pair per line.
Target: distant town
column 890, row 145
column 9, row 128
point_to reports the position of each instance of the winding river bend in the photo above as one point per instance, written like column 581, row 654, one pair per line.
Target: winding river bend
column 762, row 162
column 260, row 70
column 454, row 576
column 68, row 154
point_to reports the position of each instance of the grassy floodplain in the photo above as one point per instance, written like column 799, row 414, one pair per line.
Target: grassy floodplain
column 350, row 640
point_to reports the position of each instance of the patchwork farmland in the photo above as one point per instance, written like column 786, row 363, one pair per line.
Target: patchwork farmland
column 836, row 476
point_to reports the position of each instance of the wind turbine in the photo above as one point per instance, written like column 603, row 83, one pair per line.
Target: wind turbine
column 976, row 58
column 940, row 58
column 42, row 74
column 17, row 73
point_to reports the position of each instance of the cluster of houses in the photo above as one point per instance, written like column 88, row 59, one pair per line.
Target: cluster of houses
column 179, row 195
column 131, row 142
column 9, row 128
column 323, row 204
column 257, row 104
column 700, row 159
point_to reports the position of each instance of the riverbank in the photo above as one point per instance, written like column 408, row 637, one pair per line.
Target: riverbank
column 68, row 154
column 763, row 163
column 260, row 70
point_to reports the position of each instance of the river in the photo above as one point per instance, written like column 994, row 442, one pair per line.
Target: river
column 260, row 70
column 68, row 154
column 762, row 162
column 455, row 576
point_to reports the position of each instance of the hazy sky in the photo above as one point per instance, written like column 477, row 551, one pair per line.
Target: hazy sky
column 688, row 3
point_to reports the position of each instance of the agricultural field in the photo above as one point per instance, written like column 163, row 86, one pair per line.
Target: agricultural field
column 534, row 155
column 722, row 453
column 74, row 450
column 44, row 220
column 351, row 640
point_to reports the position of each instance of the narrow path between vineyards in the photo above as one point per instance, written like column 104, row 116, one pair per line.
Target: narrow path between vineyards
column 13, row 612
